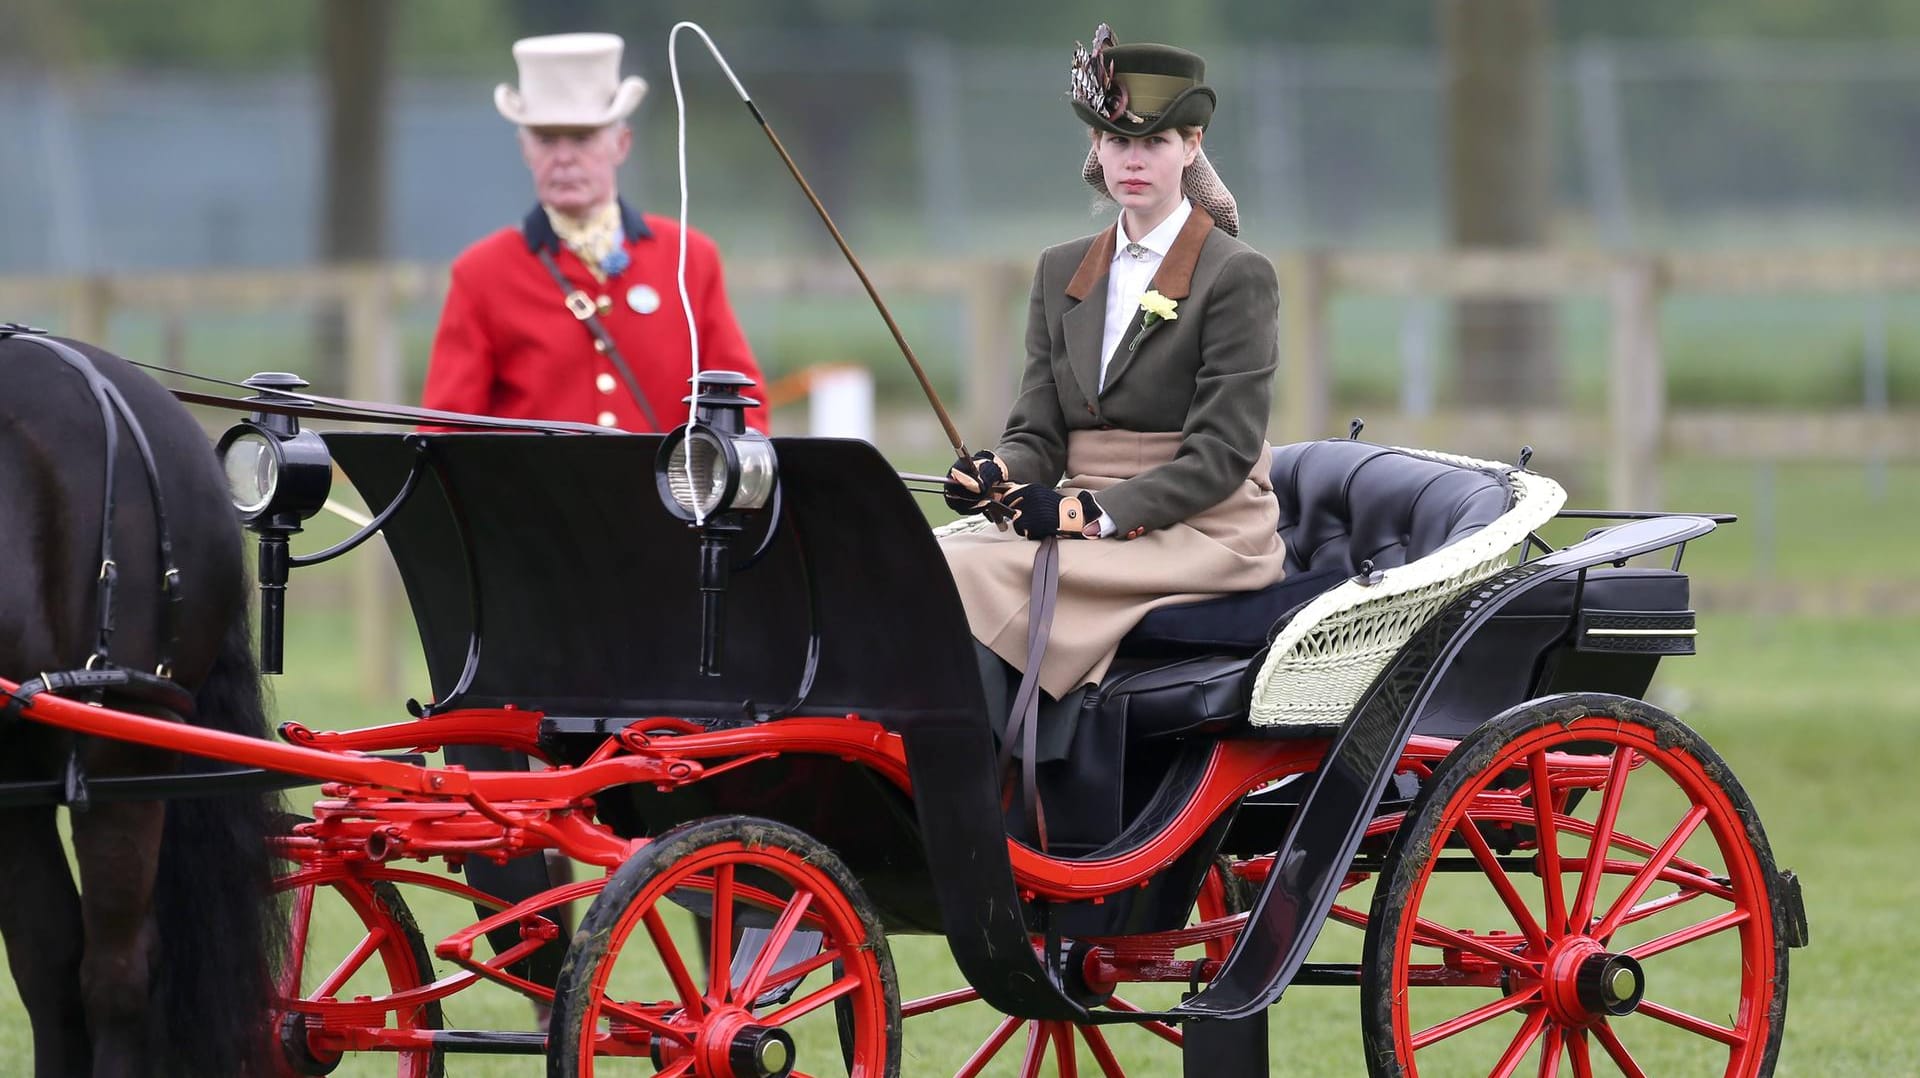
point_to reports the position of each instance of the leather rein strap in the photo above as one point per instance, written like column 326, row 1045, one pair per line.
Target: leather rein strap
column 580, row 305
column 1023, row 721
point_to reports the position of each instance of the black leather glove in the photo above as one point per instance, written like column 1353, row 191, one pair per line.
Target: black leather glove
column 1039, row 512
column 971, row 484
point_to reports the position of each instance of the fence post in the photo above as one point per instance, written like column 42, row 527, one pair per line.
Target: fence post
column 372, row 361
column 1637, row 389
column 89, row 308
column 991, row 367
column 1306, row 388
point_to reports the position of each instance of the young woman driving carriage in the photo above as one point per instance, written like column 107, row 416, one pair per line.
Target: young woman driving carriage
column 1139, row 433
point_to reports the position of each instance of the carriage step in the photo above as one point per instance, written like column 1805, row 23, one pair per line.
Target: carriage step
column 490, row 1042
column 1235, row 1048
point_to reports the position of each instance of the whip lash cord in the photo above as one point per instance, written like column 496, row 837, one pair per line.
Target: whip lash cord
column 680, row 272
column 899, row 339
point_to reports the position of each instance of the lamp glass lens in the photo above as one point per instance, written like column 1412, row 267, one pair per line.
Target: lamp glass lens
column 698, row 488
column 253, row 472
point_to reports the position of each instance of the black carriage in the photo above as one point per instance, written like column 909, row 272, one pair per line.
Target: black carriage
column 762, row 731
column 1416, row 706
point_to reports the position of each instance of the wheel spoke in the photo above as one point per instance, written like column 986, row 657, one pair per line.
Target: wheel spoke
column 1643, row 879
column 1546, row 834
column 1617, row 1051
column 1602, row 835
column 720, row 943
column 300, row 917
column 1036, row 1050
column 770, row 950
column 1477, row 1016
column 1697, row 1026
column 1447, row 936
column 808, row 1004
column 1577, row 1051
column 1501, row 883
column 369, row 944
column 683, row 982
column 1159, row 1029
column 986, row 1053
column 652, row 1023
column 1690, row 883
column 800, row 969
column 1069, row 1067
column 1550, row 1052
column 1102, row 1052
column 1518, row 1047
column 1684, row 936
column 1659, row 905
column 914, row 1008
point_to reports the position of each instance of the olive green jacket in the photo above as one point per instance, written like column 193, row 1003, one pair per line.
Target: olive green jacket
column 1207, row 373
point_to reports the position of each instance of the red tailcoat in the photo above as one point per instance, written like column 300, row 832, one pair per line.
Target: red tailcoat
column 508, row 346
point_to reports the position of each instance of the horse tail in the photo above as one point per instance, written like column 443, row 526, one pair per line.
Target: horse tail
column 222, row 933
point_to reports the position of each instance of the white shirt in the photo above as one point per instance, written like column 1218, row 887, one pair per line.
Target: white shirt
column 1128, row 277
column 1127, row 280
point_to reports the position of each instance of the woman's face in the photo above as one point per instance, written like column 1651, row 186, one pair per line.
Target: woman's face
column 1143, row 173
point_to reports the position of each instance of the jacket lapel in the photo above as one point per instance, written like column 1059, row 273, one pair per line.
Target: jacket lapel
column 1174, row 280
column 1086, row 323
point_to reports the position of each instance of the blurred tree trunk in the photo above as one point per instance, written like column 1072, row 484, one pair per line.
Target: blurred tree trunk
column 355, row 40
column 1499, row 169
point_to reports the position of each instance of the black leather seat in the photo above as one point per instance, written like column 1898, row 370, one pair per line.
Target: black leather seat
column 1343, row 504
column 1185, row 670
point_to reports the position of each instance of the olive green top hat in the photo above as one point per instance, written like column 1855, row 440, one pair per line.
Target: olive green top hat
column 1139, row 89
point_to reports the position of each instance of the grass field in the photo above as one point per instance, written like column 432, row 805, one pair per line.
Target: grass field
column 1813, row 715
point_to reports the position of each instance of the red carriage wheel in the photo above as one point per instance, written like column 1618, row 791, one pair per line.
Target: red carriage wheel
column 1036, row 1048
column 717, row 952
column 1582, row 888
column 349, row 937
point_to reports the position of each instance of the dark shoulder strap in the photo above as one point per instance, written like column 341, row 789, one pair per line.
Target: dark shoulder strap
column 580, row 305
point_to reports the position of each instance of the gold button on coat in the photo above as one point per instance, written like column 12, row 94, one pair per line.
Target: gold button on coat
column 603, row 382
column 607, row 419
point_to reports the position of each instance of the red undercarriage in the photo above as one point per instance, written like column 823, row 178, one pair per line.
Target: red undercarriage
column 376, row 812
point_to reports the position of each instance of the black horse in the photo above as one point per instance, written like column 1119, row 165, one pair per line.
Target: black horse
column 161, row 961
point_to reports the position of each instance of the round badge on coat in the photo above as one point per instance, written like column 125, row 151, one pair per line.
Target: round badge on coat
column 643, row 299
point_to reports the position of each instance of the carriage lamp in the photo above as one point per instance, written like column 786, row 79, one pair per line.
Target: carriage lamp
column 715, row 464
column 277, row 477
column 712, row 472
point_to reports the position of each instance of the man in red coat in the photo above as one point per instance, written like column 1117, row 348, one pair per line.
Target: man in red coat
column 515, row 342
column 512, row 341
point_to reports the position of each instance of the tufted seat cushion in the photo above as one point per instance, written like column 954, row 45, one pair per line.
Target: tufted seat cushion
column 1342, row 504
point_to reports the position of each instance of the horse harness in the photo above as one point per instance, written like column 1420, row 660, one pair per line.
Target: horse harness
column 100, row 675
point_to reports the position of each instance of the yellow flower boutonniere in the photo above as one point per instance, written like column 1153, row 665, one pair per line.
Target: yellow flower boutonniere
column 1157, row 308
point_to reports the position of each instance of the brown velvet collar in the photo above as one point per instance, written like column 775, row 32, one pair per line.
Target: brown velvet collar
column 1174, row 278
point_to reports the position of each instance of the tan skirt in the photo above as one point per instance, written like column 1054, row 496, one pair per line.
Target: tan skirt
column 1108, row 585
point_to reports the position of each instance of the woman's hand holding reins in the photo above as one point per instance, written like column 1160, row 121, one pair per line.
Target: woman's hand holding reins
column 1039, row 512
column 974, row 484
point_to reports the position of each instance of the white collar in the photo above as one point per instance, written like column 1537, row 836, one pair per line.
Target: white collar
column 1160, row 240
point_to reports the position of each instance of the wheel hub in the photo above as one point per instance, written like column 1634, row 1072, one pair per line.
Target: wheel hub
column 1586, row 982
column 733, row 1045
column 1610, row 983
column 297, row 1047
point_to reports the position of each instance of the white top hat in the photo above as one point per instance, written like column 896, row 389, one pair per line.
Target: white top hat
column 569, row 80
